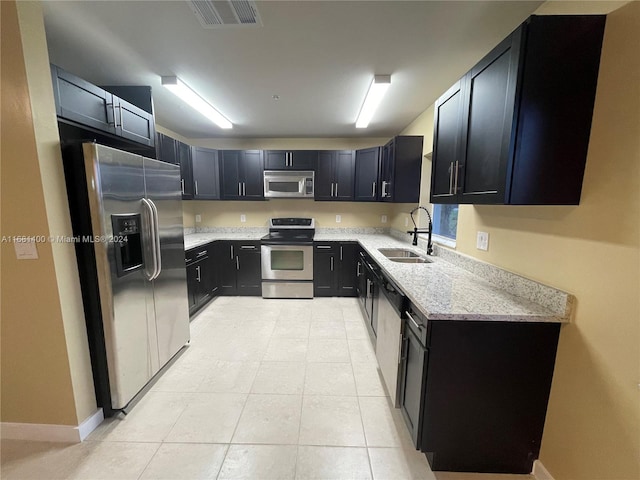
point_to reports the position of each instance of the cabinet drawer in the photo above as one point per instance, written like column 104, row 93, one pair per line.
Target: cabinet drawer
column 197, row 254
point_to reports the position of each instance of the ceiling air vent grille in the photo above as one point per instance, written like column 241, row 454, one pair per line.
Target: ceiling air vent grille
column 222, row 13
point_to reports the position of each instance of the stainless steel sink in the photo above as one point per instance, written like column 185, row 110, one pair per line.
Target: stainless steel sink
column 397, row 252
column 411, row 260
column 403, row 255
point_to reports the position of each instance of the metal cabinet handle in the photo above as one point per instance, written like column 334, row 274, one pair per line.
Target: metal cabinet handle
column 451, row 179
column 115, row 122
column 244, row 189
column 332, row 264
column 373, row 190
column 198, row 272
column 182, row 185
column 239, row 189
column 405, row 349
column 237, row 263
column 336, row 189
column 340, row 252
column 232, row 251
column 323, row 247
column 247, row 247
column 413, row 320
column 332, row 189
column 202, row 253
column 384, row 189
column 455, row 185
column 196, row 187
column 358, row 269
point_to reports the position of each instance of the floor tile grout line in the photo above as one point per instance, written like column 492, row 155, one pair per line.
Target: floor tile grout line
column 150, row 460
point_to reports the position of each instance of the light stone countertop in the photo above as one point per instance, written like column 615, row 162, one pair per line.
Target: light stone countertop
column 440, row 290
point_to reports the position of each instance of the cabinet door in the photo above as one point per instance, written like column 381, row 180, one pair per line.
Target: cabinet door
column 186, row 174
column 348, row 275
column 412, row 381
column 82, row 102
column 206, row 178
column 386, row 172
column 167, row 149
column 227, row 267
column 275, row 159
column 249, row 268
column 323, row 185
column 325, row 264
column 366, row 176
column 344, row 171
column 488, row 110
column 134, row 123
column 251, row 175
column 231, row 185
column 192, row 287
column 303, row 159
column 448, row 145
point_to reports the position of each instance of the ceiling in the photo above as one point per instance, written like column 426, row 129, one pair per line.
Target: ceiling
column 318, row 57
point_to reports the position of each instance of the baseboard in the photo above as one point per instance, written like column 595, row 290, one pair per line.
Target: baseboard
column 51, row 433
column 539, row 472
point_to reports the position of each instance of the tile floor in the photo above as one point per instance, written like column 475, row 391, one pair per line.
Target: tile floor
column 268, row 389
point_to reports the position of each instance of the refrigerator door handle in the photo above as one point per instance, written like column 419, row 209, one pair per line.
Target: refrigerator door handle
column 156, row 240
column 149, row 240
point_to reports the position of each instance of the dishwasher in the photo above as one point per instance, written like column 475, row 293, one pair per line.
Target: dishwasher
column 391, row 304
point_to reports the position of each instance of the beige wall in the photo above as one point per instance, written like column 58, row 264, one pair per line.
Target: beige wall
column 592, row 430
column 37, row 380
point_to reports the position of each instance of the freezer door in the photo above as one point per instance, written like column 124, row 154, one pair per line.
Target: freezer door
column 115, row 185
column 163, row 189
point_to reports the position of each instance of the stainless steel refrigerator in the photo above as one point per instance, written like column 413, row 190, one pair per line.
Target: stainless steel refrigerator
column 127, row 218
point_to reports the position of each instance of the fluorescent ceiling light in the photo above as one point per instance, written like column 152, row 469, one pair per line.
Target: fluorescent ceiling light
column 377, row 89
column 195, row 101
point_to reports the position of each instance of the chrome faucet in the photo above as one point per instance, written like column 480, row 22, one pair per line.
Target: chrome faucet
column 416, row 231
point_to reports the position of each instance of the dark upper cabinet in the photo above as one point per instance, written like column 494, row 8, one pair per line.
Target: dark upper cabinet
column 134, row 123
column 242, row 177
column 446, row 141
column 522, row 133
column 91, row 106
column 167, row 149
column 206, row 173
column 290, row 159
column 335, row 175
column 82, row 102
column 366, row 175
column 401, row 169
column 186, row 173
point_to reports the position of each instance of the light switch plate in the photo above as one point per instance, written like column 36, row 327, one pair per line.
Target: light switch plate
column 383, row 219
column 482, row 241
column 243, row 218
column 198, row 218
column 338, row 218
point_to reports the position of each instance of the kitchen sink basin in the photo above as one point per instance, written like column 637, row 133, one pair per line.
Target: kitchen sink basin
column 410, row 260
column 398, row 252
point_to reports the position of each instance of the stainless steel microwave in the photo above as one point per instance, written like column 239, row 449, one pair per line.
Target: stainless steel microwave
column 288, row 184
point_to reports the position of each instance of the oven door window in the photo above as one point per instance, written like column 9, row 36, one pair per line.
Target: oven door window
column 287, row 260
column 284, row 186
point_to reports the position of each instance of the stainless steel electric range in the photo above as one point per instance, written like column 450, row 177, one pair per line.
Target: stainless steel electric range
column 287, row 258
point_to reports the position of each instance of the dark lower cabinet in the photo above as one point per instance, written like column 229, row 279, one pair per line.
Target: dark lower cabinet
column 202, row 276
column 240, row 268
column 335, row 269
column 474, row 393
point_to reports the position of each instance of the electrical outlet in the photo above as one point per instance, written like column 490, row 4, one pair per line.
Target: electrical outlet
column 243, row 218
column 406, row 222
column 482, row 241
column 383, row 219
column 338, row 218
column 198, row 218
